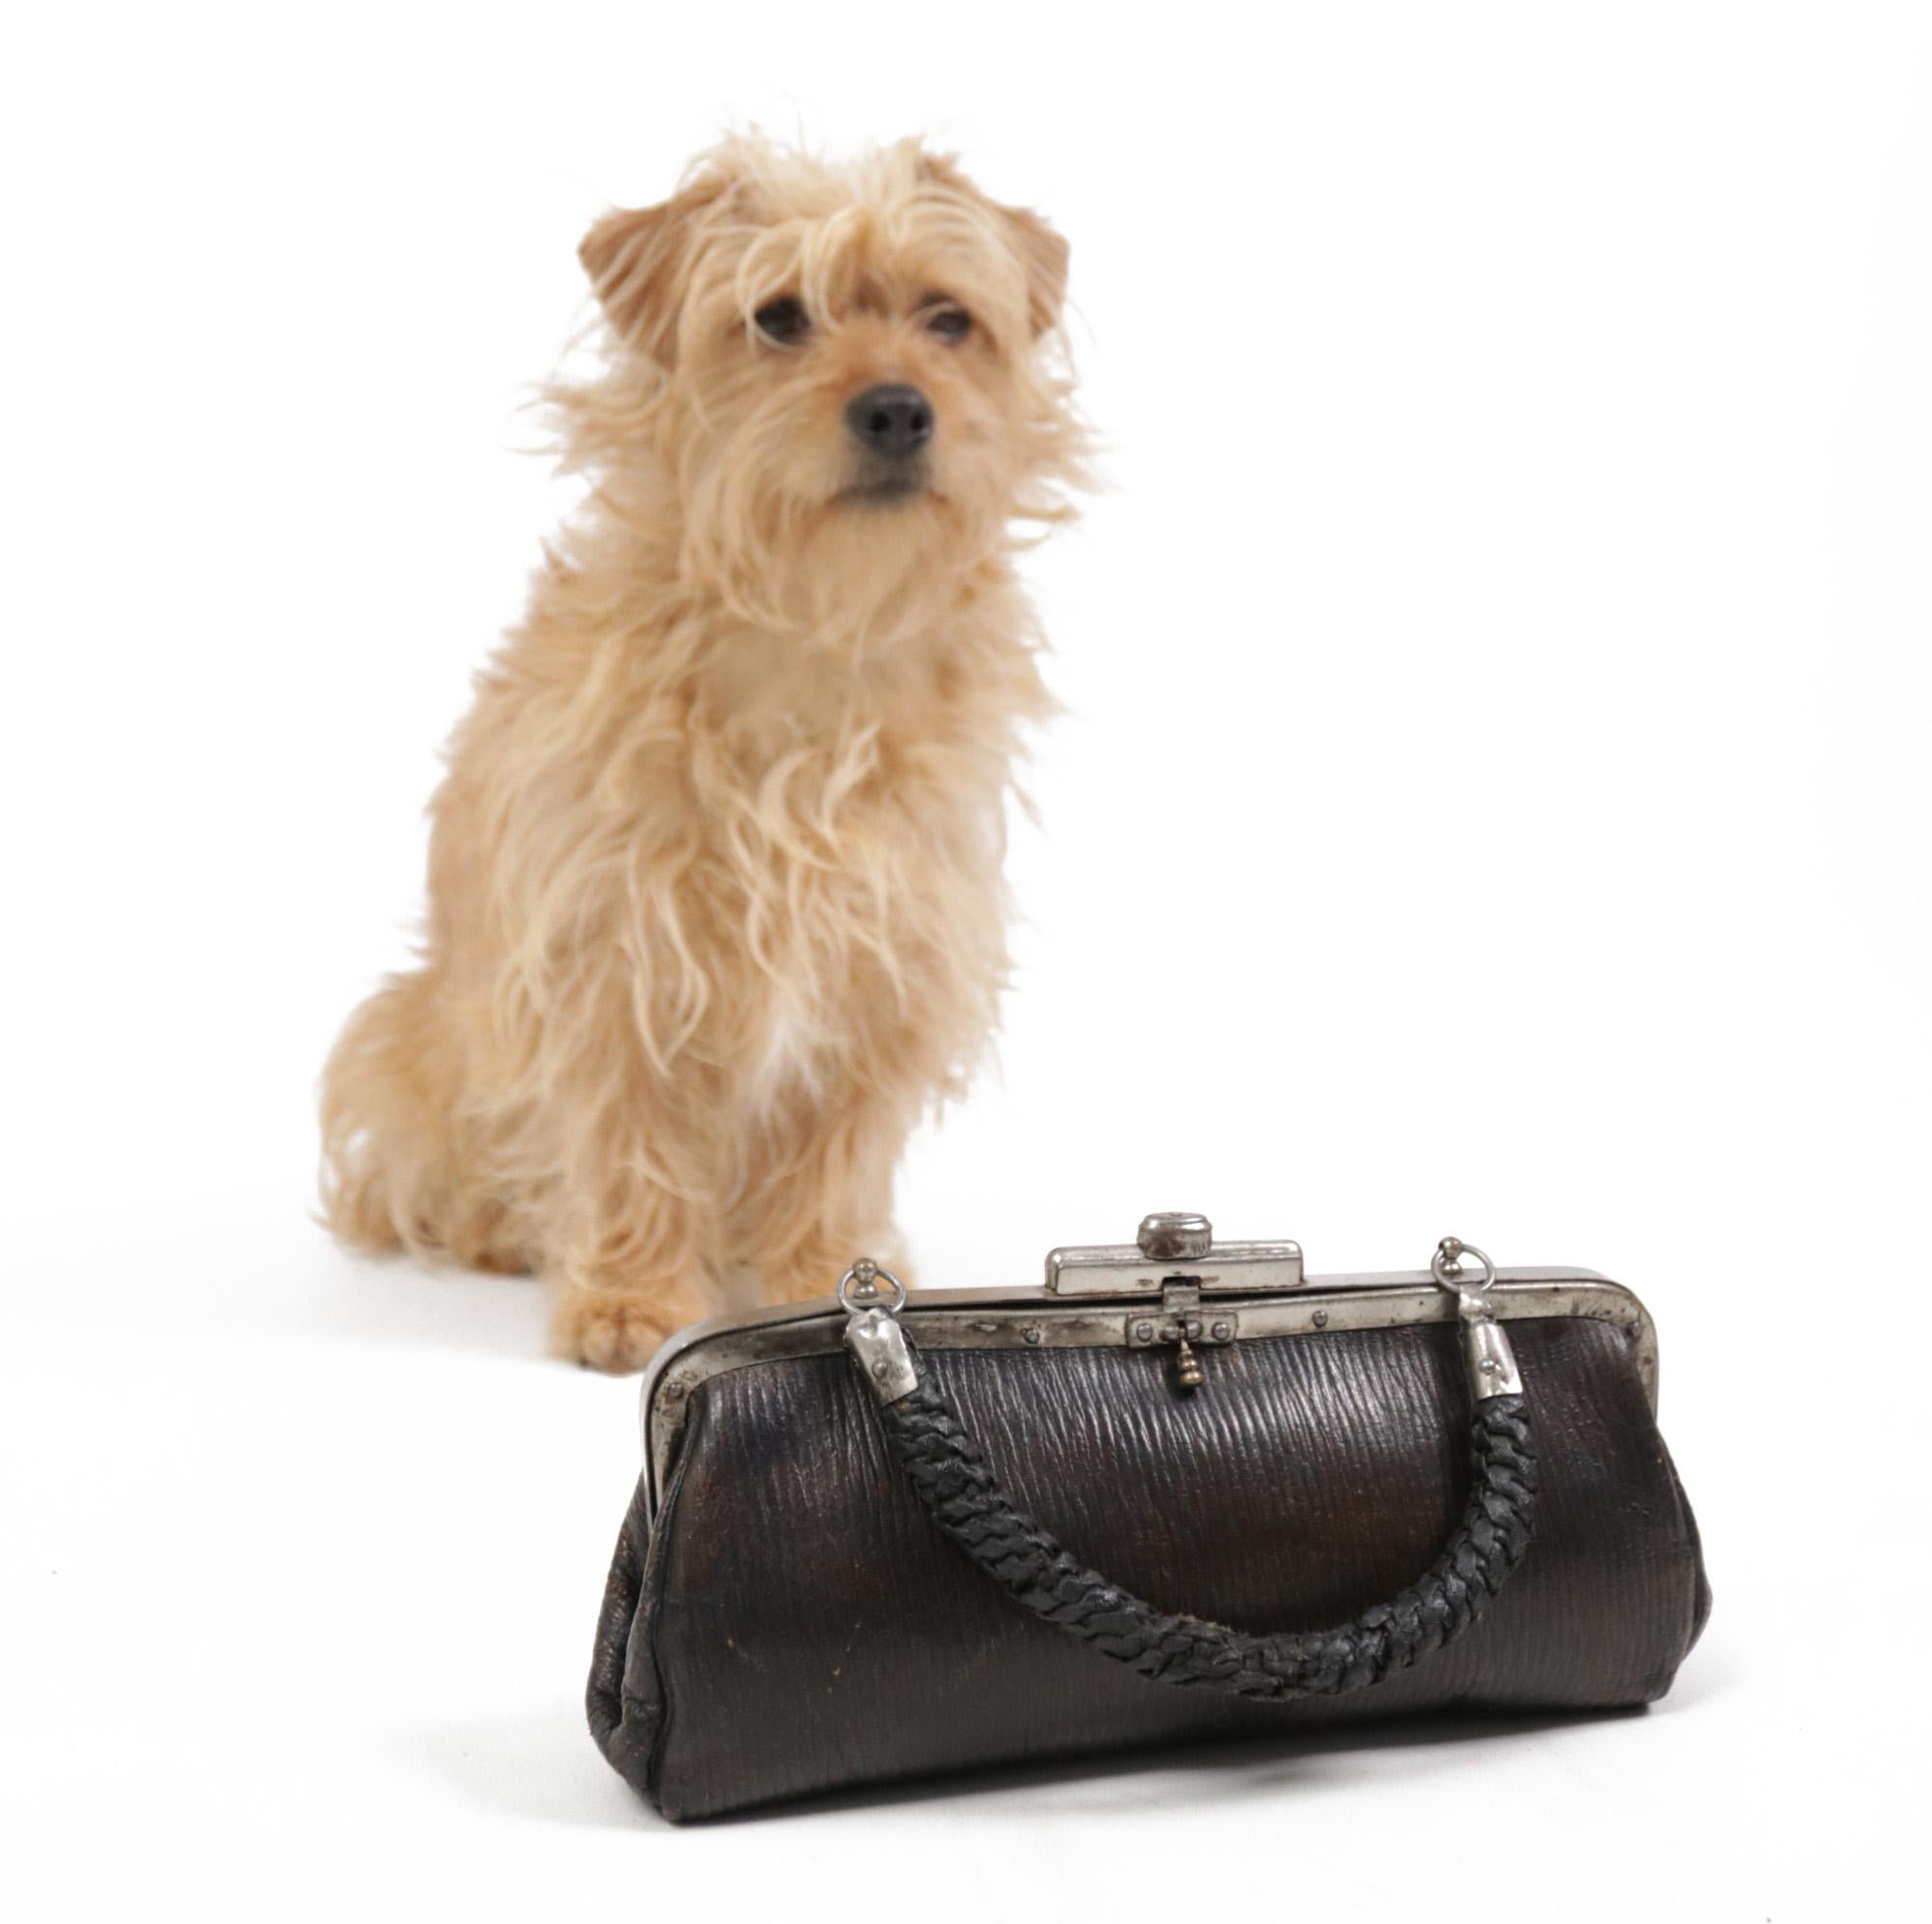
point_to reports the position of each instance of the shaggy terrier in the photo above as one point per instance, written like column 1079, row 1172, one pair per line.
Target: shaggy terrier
column 715, row 908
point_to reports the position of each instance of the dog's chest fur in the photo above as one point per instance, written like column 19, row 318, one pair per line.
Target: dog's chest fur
column 836, row 891
column 857, row 876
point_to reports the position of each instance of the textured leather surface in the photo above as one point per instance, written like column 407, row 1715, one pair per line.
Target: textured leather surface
column 796, row 1622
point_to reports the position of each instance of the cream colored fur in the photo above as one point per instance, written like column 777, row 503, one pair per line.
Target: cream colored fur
column 715, row 901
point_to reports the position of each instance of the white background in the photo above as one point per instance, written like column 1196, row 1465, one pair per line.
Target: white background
column 1494, row 800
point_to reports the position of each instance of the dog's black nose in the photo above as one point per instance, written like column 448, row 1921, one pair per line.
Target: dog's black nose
column 891, row 419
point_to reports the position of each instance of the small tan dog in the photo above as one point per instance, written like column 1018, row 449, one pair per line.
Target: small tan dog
column 715, row 899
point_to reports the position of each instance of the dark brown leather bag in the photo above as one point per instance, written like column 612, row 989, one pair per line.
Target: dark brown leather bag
column 869, row 1539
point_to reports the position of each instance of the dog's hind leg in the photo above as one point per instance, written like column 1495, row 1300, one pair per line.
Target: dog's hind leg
column 399, row 1162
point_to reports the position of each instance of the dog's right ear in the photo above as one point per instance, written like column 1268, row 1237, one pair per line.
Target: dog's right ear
column 636, row 259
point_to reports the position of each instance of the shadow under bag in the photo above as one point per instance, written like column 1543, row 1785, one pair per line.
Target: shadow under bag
column 886, row 1534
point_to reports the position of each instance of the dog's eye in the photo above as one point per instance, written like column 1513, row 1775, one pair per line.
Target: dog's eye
column 950, row 321
column 783, row 322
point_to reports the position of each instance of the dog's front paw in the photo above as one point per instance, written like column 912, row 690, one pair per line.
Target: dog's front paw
column 619, row 1330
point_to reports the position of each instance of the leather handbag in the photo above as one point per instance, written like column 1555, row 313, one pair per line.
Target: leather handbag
column 1183, row 1491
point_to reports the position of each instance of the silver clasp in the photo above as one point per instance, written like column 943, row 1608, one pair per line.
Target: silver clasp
column 1173, row 1246
column 1182, row 1321
column 1176, row 1260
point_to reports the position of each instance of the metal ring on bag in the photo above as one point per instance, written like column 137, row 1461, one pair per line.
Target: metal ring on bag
column 858, row 1287
column 1449, row 1252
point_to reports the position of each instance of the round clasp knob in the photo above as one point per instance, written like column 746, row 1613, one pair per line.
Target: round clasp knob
column 1175, row 1236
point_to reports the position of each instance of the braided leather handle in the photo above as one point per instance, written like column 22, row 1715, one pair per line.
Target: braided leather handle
column 956, row 1485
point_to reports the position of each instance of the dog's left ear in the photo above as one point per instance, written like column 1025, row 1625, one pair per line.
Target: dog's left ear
column 635, row 257
column 1042, row 253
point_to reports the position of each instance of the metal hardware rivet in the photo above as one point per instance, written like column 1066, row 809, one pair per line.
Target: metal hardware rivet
column 1031, row 1332
column 1320, row 1319
column 1222, row 1331
column 1143, row 1332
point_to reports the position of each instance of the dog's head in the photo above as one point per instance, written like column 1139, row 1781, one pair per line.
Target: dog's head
column 847, row 374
